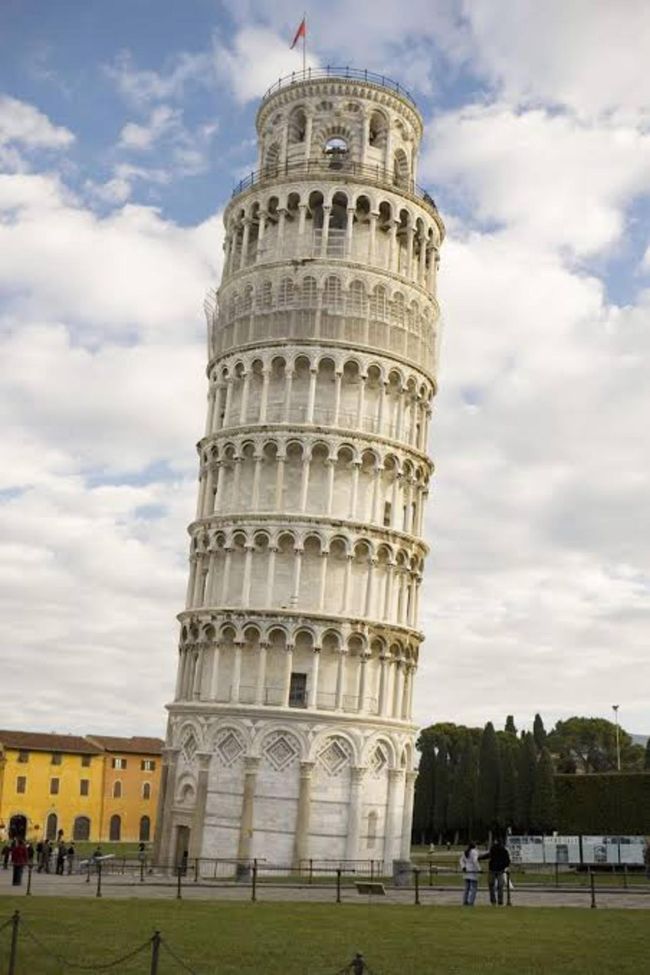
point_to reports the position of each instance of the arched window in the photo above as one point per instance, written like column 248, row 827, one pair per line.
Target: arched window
column 146, row 790
column 117, row 790
column 378, row 130
column 145, row 829
column 81, row 828
column 51, row 826
column 401, row 168
column 115, row 829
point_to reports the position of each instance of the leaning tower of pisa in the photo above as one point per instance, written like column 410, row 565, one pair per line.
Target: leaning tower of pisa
column 291, row 733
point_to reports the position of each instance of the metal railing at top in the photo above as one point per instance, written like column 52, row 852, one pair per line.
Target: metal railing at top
column 336, row 166
column 344, row 74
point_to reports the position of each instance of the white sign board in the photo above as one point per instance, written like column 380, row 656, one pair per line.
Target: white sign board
column 526, row 849
column 600, row 850
column 562, row 849
column 631, row 849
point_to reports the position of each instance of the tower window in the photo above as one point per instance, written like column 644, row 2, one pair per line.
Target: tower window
column 336, row 146
column 298, row 691
column 388, row 510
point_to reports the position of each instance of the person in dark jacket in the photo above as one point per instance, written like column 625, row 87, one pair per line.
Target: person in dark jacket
column 18, row 861
column 498, row 862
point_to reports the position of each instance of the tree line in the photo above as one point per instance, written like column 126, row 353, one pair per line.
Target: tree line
column 473, row 782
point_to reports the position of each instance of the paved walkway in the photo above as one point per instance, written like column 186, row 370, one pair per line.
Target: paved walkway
column 160, row 888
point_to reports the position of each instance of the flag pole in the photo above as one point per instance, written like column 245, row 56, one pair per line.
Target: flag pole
column 304, row 45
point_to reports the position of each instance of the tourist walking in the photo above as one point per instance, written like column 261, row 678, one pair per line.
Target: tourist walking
column 498, row 862
column 471, row 868
column 18, row 861
column 70, row 855
column 646, row 859
column 47, row 853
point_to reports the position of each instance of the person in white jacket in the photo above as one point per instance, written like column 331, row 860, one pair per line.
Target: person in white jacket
column 471, row 868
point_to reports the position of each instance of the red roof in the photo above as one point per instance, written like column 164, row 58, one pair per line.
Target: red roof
column 135, row 745
column 36, row 741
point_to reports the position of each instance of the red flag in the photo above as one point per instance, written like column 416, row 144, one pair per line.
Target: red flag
column 301, row 32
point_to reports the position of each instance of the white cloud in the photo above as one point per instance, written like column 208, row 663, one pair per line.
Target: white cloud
column 585, row 55
column 134, row 272
column 23, row 124
column 144, row 87
column 548, row 178
column 255, row 60
column 144, row 137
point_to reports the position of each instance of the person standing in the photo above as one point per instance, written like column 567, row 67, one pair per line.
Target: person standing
column 60, row 857
column 646, row 859
column 70, row 854
column 498, row 862
column 18, row 861
column 471, row 868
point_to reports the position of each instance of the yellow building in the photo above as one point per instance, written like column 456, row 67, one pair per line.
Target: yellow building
column 95, row 788
column 49, row 783
column 130, row 788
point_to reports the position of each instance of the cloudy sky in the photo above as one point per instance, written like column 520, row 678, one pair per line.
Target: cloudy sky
column 123, row 127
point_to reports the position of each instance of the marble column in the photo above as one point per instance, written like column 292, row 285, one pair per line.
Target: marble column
column 162, row 852
column 301, row 838
column 352, row 851
column 244, row 847
column 407, row 815
column 198, row 816
column 394, row 782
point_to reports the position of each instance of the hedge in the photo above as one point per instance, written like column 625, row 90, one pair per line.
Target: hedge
column 610, row 803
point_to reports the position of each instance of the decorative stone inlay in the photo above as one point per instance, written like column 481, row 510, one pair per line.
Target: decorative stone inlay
column 335, row 756
column 189, row 746
column 281, row 750
column 378, row 761
column 228, row 747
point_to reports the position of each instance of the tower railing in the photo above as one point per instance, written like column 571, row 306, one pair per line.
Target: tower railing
column 345, row 74
column 336, row 166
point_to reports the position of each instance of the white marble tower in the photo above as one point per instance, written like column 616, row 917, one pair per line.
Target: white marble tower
column 290, row 734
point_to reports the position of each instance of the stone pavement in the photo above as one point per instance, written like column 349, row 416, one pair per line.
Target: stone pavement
column 158, row 887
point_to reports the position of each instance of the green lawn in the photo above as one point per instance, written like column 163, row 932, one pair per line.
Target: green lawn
column 220, row 938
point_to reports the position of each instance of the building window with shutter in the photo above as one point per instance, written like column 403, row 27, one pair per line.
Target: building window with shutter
column 54, row 787
column 21, row 784
column 84, row 787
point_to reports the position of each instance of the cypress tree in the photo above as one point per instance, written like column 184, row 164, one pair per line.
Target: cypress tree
column 508, row 792
column 424, row 797
column 489, row 778
column 510, row 725
column 462, row 802
column 525, row 781
column 441, row 796
column 543, row 807
column 539, row 732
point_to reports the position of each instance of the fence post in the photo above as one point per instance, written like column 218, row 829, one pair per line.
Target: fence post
column 254, row 881
column 416, row 873
column 557, row 874
column 155, row 952
column 592, row 881
column 13, row 951
column 372, row 869
column 311, row 870
column 196, row 870
column 88, row 874
column 508, row 890
column 179, row 882
column 338, row 885
column 141, row 871
column 99, row 879
column 430, row 874
column 625, row 876
column 30, row 867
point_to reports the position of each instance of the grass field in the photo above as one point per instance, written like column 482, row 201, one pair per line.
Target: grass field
column 299, row 939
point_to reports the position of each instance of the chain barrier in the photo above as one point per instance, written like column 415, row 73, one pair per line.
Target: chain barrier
column 95, row 967
column 6, row 924
column 177, row 959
